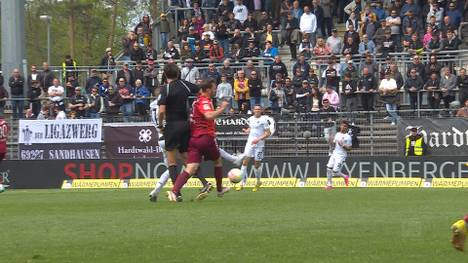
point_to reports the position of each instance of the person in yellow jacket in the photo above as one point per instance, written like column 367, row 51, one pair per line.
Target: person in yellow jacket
column 241, row 89
column 459, row 231
column 69, row 68
column 414, row 143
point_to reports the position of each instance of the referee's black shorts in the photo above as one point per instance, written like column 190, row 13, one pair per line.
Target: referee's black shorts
column 177, row 135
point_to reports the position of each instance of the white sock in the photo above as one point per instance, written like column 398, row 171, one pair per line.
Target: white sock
column 244, row 174
column 258, row 173
column 342, row 174
column 161, row 182
column 329, row 176
column 228, row 157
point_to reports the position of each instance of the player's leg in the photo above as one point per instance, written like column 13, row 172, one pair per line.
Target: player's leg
column 206, row 185
column 237, row 160
column 181, row 180
column 163, row 178
column 330, row 165
column 248, row 154
column 258, row 167
column 339, row 162
column 218, row 171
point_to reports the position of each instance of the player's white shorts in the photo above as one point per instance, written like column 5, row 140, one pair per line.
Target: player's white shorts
column 336, row 162
column 162, row 145
column 254, row 151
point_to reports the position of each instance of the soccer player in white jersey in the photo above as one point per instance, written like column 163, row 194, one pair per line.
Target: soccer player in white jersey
column 343, row 143
column 258, row 131
column 165, row 176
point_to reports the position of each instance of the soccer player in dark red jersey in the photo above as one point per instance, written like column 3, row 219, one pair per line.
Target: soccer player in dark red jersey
column 202, row 144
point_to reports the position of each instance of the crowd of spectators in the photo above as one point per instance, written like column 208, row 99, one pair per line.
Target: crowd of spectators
column 329, row 71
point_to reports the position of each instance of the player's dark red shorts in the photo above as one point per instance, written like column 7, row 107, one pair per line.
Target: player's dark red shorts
column 204, row 146
column 2, row 156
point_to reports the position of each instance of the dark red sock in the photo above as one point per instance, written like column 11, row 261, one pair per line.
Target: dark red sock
column 218, row 173
column 180, row 182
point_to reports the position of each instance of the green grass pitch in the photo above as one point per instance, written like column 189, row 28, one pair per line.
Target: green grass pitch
column 272, row 225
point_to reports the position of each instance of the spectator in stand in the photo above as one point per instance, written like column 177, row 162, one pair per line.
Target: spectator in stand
column 240, row 11
column 366, row 46
column 232, row 24
column 454, row 14
column 222, row 36
column 216, row 53
column 410, row 5
column 394, row 22
column 415, row 45
column 305, row 48
column 379, row 35
column 308, row 25
column 367, row 85
column 164, row 29
column 432, row 87
column 145, row 25
column 435, row 11
column 59, row 110
column 103, row 89
column 199, row 55
column 264, row 21
column 432, row 67
column 321, row 49
column 397, row 76
column 388, row 90
column 138, row 72
column 241, row 89
column 127, row 44
column 113, row 101
column 452, row 42
column 371, row 26
column 427, row 36
column 317, row 10
column 285, row 10
column 126, row 93
column 108, row 61
column 69, row 68
column 388, row 45
column 16, row 84
column 448, row 83
column 277, row 97
column 212, row 73
column 224, row 92
column 126, row 74
column 297, row 79
column 302, row 65
column 56, row 92
column 303, row 92
column 34, row 96
column 312, row 78
column 255, row 85
column 92, row 81
column 94, row 104
column 189, row 72
column 292, row 34
column 296, row 10
column 171, row 52
column 446, row 26
column 462, row 83
column 409, row 20
column 350, row 70
column 414, row 85
column 349, row 99
column 328, row 7
column 225, row 7
column 196, row 9
column 289, row 92
column 435, row 45
column 150, row 76
column 331, row 76
column 316, row 99
column 34, row 75
column 463, row 111
column 278, row 67
column 78, row 104
column 353, row 21
column 355, row 6
column 136, row 53
column 332, row 96
column 185, row 51
column 251, row 50
column 247, row 36
column 206, row 42
column 378, row 10
column 270, row 51
column 141, row 98
column 46, row 77
column 334, row 42
column 228, row 71
column 269, row 36
column 351, row 33
column 418, row 66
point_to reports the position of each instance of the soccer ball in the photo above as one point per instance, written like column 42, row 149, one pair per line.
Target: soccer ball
column 2, row 188
column 235, row 175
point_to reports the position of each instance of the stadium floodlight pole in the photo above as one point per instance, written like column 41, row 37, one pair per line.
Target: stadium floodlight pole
column 47, row 19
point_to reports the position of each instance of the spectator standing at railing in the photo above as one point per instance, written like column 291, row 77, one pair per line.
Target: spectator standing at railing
column 249, row 68
column 103, row 89
column 34, row 96
column 108, row 61
column 228, row 71
column 269, row 52
column 150, row 76
column 366, row 46
column 308, row 25
column 452, row 42
column 388, row 45
column 321, row 51
column 350, row 70
column 94, row 104
column 349, row 99
column 332, row 96
column 69, row 68
column 92, row 81
column 190, row 72
column 127, row 44
column 448, row 83
column 240, row 11
column 46, row 77
column 463, row 111
column 418, row 66
column 312, row 78
column 199, row 54
column 137, row 53
column 432, row 87
column 141, row 98
column 367, row 85
column 138, row 72
column 331, row 75
column 113, row 101
column 16, row 84
column 435, row 45
column 415, row 45
column 164, row 29
column 388, row 90
column 241, row 89
column 334, row 42
column 171, row 51
column 462, row 84
column 302, row 65
column 277, row 97
column 433, row 66
column 255, row 90
column 224, row 92
column 414, row 85
column 33, row 76
column 305, row 48
column 78, row 104
column 3, row 95
column 277, row 67
column 126, row 93
column 212, row 73
column 126, row 74
column 303, row 92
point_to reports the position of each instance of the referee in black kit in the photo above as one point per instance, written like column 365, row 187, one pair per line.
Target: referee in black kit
column 174, row 110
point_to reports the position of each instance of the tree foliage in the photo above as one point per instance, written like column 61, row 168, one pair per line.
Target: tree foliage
column 93, row 28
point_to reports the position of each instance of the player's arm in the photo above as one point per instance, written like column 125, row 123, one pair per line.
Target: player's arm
column 265, row 135
column 162, row 108
column 213, row 114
